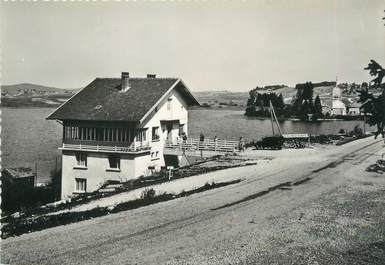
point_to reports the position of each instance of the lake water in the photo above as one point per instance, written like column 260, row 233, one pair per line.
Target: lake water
column 29, row 140
column 231, row 124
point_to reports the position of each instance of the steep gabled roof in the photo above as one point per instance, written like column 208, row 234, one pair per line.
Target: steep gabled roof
column 102, row 99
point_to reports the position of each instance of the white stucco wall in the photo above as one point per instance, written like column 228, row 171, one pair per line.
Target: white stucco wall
column 141, row 165
column 96, row 173
column 178, row 112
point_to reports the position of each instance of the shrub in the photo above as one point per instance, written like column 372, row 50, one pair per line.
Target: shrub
column 148, row 193
column 18, row 197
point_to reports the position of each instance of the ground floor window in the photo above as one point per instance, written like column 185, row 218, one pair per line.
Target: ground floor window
column 81, row 185
column 114, row 161
column 155, row 155
column 81, row 159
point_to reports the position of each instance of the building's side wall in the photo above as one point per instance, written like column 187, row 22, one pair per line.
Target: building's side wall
column 177, row 114
column 96, row 173
column 141, row 165
column 338, row 111
column 338, row 107
column 354, row 111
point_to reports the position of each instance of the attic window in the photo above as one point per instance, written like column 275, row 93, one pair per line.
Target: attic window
column 169, row 102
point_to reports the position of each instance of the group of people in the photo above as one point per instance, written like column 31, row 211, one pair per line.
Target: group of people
column 241, row 144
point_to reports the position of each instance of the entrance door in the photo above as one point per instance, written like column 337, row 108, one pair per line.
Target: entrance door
column 169, row 132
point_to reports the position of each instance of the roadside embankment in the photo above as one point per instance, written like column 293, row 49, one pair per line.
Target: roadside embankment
column 18, row 226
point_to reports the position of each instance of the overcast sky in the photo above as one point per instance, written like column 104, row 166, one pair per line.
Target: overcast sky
column 210, row 45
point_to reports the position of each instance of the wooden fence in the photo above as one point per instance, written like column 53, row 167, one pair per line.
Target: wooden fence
column 206, row 145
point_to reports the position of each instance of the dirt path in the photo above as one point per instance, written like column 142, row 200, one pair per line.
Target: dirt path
column 335, row 215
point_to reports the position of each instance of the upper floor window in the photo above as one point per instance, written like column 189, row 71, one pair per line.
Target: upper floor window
column 107, row 134
column 155, row 133
column 81, row 159
column 142, row 135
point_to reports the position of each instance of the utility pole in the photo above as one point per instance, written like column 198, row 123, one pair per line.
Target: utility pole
column 35, row 173
column 271, row 117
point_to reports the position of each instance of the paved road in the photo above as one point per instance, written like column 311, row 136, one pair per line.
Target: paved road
column 214, row 227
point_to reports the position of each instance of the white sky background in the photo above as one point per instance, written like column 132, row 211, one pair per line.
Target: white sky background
column 211, row 45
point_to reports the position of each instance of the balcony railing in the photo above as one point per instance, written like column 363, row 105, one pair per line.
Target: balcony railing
column 208, row 145
column 108, row 147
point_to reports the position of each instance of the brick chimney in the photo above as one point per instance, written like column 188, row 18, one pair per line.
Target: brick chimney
column 151, row 75
column 125, row 81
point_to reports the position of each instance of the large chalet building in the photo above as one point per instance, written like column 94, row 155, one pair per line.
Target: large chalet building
column 115, row 129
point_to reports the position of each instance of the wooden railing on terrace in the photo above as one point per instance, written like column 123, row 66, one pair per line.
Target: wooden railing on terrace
column 107, row 146
column 206, row 145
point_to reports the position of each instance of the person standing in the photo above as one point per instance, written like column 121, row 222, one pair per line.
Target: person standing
column 241, row 144
column 215, row 142
column 201, row 140
column 184, row 137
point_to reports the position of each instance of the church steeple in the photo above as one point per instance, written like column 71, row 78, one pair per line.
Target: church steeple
column 336, row 93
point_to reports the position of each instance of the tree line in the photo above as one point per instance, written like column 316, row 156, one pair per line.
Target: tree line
column 302, row 106
column 259, row 104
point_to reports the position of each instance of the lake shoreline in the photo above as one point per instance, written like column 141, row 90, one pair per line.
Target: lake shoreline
column 235, row 108
column 45, row 136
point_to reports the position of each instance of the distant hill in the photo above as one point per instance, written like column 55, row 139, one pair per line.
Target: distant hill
column 27, row 89
column 32, row 95
column 222, row 98
column 324, row 84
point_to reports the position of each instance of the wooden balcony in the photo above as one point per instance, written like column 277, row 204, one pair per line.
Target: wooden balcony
column 106, row 147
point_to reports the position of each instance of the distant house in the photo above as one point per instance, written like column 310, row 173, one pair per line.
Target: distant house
column 326, row 110
column 21, row 176
column 115, row 129
column 355, row 109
